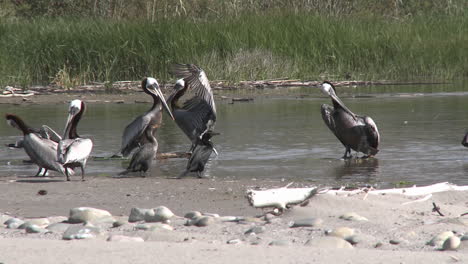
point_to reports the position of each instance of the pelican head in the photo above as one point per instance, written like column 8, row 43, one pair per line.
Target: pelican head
column 180, row 84
column 151, row 86
column 329, row 89
column 75, row 109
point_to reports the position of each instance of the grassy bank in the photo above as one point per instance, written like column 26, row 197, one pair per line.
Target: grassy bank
column 244, row 47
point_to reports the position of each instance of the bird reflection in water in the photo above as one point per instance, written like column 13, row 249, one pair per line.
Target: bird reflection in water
column 366, row 169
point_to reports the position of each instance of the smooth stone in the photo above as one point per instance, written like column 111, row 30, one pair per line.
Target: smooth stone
column 58, row 227
column 192, row 214
column 394, row 242
column 306, row 222
column 234, row 241
column 281, row 243
column 137, row 214
column 439, row 239
column 42, row 222
column 229, row 219
column 252, row 220
column 341, row 232
column 464, row 237
column 352, row 216
column 451, row 243
column 255, row 230
column 57, row 219
column 121, row 238
column 89, row 214
column 158, row 214
column 159, row 226
column 80, row 232
column 34, row 229
column 353, row 239
column 13, row 223
column 329, row 242
column 204, row 221
column 210, row 214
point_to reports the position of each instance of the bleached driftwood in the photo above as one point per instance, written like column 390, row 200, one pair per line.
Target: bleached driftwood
column 279, row 197
column 410, row 191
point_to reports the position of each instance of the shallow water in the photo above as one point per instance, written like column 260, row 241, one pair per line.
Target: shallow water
column 284, row 138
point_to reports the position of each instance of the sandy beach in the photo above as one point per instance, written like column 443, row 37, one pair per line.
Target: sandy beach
column 384, row 228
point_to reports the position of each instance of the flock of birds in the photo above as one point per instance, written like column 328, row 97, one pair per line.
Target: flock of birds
column 195, row 116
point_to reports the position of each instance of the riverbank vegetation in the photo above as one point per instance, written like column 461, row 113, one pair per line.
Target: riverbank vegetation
column 76, row 42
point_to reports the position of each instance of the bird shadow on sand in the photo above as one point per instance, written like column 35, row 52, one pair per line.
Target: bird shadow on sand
column 36, row 180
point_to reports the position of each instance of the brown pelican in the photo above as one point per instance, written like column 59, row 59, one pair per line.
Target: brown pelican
column 73, row 150
column 144, row 157
column 133, row 135
column 197, row 115
column 200, row 155
column 354, row 132
column 41, row 151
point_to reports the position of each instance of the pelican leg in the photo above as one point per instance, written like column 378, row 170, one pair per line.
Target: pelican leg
column 82, row 172
column 347, row 151
column 66, row 174
column 38, row 173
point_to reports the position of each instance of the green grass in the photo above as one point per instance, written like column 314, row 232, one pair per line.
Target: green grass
column 245, row 47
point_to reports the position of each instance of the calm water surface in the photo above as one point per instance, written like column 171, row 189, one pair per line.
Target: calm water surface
column 283, row 138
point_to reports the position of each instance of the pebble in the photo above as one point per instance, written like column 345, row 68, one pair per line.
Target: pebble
column 464, row 238
column 255, row 230
column 282, row 243
column 353, row 217
column 137, row 214
column 306, row 222
column 158, row 214
column 58, row 227
column 439, row 239
column 80, row 232
column 118, row 223
column 229, row 219
column 41, row 222
column 192, row 214
column 89, row 214
column 31, row 228
column 13, row 223
column 341, row 232
column 451, row 243
column 203, row 221
column 353, row 239
column 394, row 241
column 121, row 238
column 329, row 242
column 234, row 241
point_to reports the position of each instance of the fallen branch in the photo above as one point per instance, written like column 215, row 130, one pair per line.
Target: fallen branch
column 280, row 197
column 436, row 208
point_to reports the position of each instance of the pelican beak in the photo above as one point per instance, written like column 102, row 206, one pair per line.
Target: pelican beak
column 71, row 113
column 158, row 92
column 338, row 100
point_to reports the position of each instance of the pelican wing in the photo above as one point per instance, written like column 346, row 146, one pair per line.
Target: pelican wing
column 197, row 81
column 372, row 133
column 42, row 151
column 195, row 117
column 327, row 116
column 49, row 133
column 74, row 150
column 132, row 134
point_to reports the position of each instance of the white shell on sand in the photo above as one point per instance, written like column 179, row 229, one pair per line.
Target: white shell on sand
column 329, row 242
column 341, row 232
column 451, row 243
column 158, row 214
column 89, row 214
column 121, row 238
column 306, row 222
column 439, row 239
column 352, row 216
column 80, row 232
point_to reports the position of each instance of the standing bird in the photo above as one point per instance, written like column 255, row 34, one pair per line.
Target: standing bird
column 144, row 157
column 133, row 135
column 73, row 150
column 41, row 151
column 354, row 132
column 197, row 115
column 200, row 155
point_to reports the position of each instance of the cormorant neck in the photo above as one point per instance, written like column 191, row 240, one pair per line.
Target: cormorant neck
column 19, row 122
